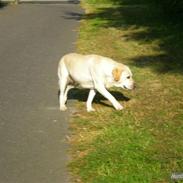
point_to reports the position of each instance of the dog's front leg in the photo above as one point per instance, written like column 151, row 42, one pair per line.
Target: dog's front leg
column 101, row 89
column 91, row 96
column 99, row 86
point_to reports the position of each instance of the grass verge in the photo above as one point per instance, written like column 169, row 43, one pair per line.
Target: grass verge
column 144, row 142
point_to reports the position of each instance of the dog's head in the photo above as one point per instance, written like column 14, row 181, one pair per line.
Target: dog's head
column 123, row 77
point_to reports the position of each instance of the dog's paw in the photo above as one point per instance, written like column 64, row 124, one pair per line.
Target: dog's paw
column 63, row 108
column 90, row 109
column 119, row 107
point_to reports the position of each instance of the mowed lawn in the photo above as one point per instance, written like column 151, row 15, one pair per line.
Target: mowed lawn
column 144, row 142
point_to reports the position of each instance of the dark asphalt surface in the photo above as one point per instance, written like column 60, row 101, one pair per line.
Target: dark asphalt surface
column 33, row 37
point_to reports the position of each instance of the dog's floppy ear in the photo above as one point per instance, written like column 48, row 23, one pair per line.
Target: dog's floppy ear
column 116, row 72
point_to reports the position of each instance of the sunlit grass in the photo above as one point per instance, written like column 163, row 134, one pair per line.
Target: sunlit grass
column 142, row 143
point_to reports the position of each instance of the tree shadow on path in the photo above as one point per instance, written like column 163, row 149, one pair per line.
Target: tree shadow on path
column 2, row 4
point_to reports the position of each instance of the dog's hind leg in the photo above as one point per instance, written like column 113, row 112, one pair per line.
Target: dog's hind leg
column 91, row 96
column 63, row 80
column 66, row 92
column 62, row 86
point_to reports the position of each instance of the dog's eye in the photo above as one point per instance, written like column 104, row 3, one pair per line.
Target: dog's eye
column 128, row 77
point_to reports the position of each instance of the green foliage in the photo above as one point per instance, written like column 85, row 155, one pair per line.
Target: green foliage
column 172, row 8
column 169, row 7
column 99, row 1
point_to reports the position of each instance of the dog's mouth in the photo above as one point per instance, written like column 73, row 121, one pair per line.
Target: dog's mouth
column 125, row 87
column 129, row 88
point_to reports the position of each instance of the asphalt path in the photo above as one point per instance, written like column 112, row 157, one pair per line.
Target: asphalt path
column 33, row 37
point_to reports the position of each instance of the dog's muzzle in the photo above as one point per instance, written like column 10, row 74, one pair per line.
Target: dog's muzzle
column 132, row 87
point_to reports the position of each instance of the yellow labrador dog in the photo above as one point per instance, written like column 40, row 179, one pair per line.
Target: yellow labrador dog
column 95, row 73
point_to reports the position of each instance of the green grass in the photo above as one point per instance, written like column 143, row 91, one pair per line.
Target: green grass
column 144, row 142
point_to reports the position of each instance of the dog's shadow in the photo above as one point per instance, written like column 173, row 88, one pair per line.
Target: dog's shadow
column 82, row 95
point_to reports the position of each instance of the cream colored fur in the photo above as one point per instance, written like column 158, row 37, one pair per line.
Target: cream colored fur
column 94, row 72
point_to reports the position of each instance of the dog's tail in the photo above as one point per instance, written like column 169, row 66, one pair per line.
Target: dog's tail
column 59, row 74
column 62, row 71
column 61, row 66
